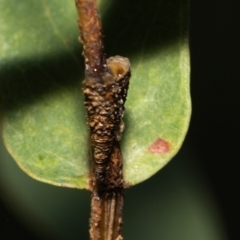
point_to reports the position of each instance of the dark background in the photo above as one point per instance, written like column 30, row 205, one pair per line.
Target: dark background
column 214, row 130
column 215, row 121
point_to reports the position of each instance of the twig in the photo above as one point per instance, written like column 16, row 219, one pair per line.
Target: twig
column 91, row 37
column 105, row 89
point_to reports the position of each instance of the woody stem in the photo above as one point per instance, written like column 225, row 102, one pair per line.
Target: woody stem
column 105, row 89
column 91, row 37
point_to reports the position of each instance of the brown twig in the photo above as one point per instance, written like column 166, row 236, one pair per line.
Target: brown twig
column 91, row 37
column 105, row 89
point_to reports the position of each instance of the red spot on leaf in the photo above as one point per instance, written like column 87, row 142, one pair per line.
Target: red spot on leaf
column 159, row 146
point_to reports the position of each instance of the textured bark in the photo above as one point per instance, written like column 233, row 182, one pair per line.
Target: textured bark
column 91, row 37
column 105, row 89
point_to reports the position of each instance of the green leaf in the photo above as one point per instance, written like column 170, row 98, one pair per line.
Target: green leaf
column 41, row 69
